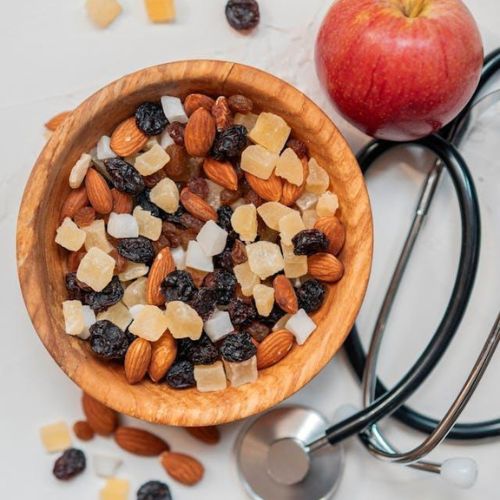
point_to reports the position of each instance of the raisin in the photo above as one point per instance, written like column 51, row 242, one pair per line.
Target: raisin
column 145, row 203
column 124, row 176
column 224, row 214
column 224, row 260
column 186, row 236
column 228, row 197
column 230, row 142
column 110, row 295
column 176, row 217
column 191, row 222
column 183, row 347
column 108, row 341
column 76, row 289
column 71, row 463
column 240, row 104
column 176, row 132
column 203, row 351
column 275, row 315
column 150, row 181
column 154, row 490
column 252, row 197
column 242, row 14
column 238, row 253
column 240, row 312
column 237, row 347
column 259, row 331
column 177, row 166
column 298, row 146
column 224, row 286
column 239, row 295
column 138, row 249
column 199, row 186
column 178, row 285
column 204, row 302
column 309, row 241
column 181, row 375
column 310, row 295
column 150, row 118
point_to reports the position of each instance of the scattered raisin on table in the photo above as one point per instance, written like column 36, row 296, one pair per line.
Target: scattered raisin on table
column 110, row 295
column 176, row 132
column 71, row 463
column 154, row 490
column 203, row 351
column 241, row 312
column 150, row 118
column 204, row 302
column 237, row 347
column 242, row 14
column 230, row 142
column 199, row 186
column 310, row 295
column 178, row 285
column 224, row 285
column 140, row 249
column 181, row 375
column 124, row 176
column 309, row 241
column 240, row 104
column 108, row 341
column 259, row 331
column 298, row 146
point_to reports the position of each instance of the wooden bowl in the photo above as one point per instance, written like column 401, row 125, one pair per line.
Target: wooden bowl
column 41, row 263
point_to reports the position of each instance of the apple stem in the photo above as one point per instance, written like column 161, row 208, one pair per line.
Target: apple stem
column 414, row 8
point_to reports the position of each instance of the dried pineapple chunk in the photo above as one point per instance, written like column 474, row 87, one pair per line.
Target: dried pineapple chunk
column 247, row 120
column 290, row 167
column 96, row 269
column 166, row 195
column 152, row 160
column 136, row 292
column 183, row 321
column 309, row 217
column 271, row 213
column 258, row 161
column 246, row 278
column 70, row 236
column 96, row 236
column 265, row 259
column 55, row 437
column 149, row 225
column 244, row 222
column 290, row 225
column 318, row 180
column 270, row 131
column 103, row 12
column 328, row 203
column 264, row 299
column 150, row 323
column 118, row 314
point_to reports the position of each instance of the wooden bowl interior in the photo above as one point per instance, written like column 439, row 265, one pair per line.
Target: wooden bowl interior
column 42, row 265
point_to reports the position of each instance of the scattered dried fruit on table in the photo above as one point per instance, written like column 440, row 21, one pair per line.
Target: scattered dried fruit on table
column 274, row 348
column 71, row 463
column 115, row 489
column 160, row 11
column 106, row 465
column 103, row 12
column 154, row 490
column 242, row 15
column 83, row 430
column 325, row 267
column 183, row 468
column 55, row 437
column 140, row 442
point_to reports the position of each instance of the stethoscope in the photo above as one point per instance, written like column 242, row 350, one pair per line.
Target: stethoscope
column 279, row 454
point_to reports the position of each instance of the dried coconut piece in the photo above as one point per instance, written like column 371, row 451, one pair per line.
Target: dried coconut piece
column 55, row 437
column 152, row 160
column 179, row 257
column 132, row 271
column 264, row 299
column 301, row 325
column 148, row 225
column 270, row 131
column 196, row 258
column 122, row 226
column 118, row 314
column 183, row 321
column 306, row 201
column 218, row 325
column 136, row 292
column 88, row 320
column 96, row 269
column 74, row 322
column 166, row 139
column 115, row 489
column 265, row 258
column 290, row 167
column 79, row 171
column 212, row 238
column 309, row 218
column 328, row 203
column 271, row 213
column 172, row 106
column 318, row 180
column 70, row 236
column 103, row 150
column 246, row 278
column 214, row 191
column 106, row 465
column 96, row 236
column 103, row 12
column 166, row 195
column 241, row 373
column 210, row 378
column 289, row 226
column 258, row 161
column 149, row 323
column 244, row 222
column 247, row 120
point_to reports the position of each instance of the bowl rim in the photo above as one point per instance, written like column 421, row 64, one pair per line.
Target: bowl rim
column 33, row 290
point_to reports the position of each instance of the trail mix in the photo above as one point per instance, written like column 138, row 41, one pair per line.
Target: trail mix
column 199, row 239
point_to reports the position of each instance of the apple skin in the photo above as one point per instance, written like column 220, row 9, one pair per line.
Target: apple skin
column 397, row 77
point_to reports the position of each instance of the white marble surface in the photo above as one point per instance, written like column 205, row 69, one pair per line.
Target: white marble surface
column 52, row 58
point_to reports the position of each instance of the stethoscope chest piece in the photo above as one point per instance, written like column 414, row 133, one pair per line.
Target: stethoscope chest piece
column 273, row 462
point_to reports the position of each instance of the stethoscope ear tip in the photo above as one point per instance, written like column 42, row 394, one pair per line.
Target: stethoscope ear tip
column 460, row 471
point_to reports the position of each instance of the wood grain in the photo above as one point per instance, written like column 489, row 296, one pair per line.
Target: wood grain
column 41, row 264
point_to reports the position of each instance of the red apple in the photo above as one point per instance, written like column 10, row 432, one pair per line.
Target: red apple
column 399, row 69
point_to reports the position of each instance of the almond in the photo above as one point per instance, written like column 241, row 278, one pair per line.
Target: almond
column 291, row 192
column 76, row 199
column 222, row 114
column 57, row 120
column 98, row 191
column 269, row 189
column 102, row 419
column 84, row 217
column 162, row 265
column 83, row 431
column 199, row 133
column 122, row 202
column 183, row 468
column 197, row 206
column 207, row 435
column 195, row 101
column 274, row 348
column 325, row 267
column 334, row 230
column 140, row 442
column 127, row 139
column 137, row 360
column 284, row 294
column 164, row 351
column 222, row 173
